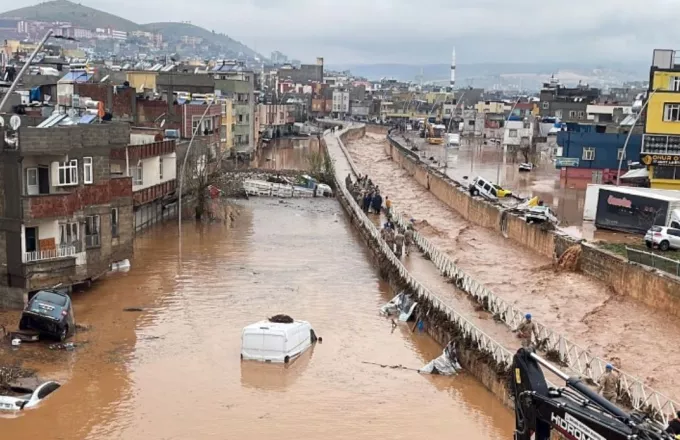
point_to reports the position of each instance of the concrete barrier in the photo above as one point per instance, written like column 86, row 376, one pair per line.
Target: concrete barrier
column 656, row 289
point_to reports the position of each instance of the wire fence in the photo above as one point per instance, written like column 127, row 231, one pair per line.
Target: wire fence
column 653, row 260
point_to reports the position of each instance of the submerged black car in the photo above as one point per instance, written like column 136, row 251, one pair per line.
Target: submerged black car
column 50, row 313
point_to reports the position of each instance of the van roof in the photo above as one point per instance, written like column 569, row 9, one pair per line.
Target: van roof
column 274, row 327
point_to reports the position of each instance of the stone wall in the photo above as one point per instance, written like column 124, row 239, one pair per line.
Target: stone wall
column 653, row 288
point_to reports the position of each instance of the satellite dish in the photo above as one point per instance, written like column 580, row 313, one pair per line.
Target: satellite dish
column 162, row 123
column 15, row 122
column 2, row 121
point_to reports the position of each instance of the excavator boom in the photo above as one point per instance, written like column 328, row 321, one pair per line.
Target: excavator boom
column 575, row 411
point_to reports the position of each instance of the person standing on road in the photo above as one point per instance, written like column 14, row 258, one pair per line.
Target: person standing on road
column 526, row 330
column 408, row 239
column 388, row 206
column 376, row 203
column 389, row 238
column 608, row 384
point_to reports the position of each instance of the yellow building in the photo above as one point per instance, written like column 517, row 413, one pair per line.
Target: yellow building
column 497, row 107
column 227, row 131
column 661, row 140
column 142, row 80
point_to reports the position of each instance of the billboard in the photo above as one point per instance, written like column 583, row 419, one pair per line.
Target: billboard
column 660, row 159
column 621, row 211
column 562, row 162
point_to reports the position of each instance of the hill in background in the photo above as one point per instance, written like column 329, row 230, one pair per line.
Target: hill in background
column 90, row 18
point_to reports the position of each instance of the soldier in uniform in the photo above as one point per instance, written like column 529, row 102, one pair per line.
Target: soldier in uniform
column 526, row 329
column 408, row 239
column 608, row 384
column 399, row 243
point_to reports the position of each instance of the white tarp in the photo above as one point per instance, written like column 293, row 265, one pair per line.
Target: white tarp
column 446, row 364
column 402, row 305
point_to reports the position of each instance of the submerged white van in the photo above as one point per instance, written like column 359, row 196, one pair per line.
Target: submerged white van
column 276, row 342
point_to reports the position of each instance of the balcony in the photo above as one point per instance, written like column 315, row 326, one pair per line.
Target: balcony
column 66, row 251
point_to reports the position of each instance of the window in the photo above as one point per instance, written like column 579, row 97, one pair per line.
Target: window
column 137, row 174
column 588, row 154
column 92, row 231
column 207, row 125
column 281, row 115
column 674, row 84
column 581, row 114
column 240, row 118
column 512, row 133
column 68, row 173
column 572, row 113
column 558, row 114
column 671, row 112
column 621, row 154
column 546, row 105
column 114, row 222
column 160, row 168
column 194, row 125
column 87, row 170
column 665, row 172
column 68, row 233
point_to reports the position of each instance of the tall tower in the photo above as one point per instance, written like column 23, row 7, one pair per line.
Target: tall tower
column 453, row 68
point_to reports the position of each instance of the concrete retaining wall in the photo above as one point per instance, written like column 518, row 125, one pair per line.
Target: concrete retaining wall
column 655, row 289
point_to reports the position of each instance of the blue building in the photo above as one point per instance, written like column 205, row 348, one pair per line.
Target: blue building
column 591, row 154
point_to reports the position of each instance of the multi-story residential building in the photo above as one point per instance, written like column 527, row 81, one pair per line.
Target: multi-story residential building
column 64, row 218
column 341, row 103
column 151, row 162
column 661, row 141
column 276, row 119
column 236, row 81
column 568, row 104
column 226, row 130
column 591, row 154
column 607, row 113
column 360, row 110
column 518, row 133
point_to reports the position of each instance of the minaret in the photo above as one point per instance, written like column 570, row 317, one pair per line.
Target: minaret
column 453, row 68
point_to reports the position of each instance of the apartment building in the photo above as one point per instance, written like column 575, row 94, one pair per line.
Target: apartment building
column 661, row 140
column 235, row 81
column 341, row 103
column 64, row 218
column 151, row 162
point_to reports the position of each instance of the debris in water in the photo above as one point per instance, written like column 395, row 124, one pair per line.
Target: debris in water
column 569, row 260
column 133, row 309
column 281, row 319
column 69, row 346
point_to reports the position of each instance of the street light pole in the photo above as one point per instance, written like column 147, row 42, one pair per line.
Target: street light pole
column 181, row 173
column 625, row 144
column 24, row 68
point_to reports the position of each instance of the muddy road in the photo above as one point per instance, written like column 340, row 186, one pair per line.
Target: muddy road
column 172, row 371
column 633, row 336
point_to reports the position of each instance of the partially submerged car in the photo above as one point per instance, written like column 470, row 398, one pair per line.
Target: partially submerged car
column 20, row 398
column 50, row 313
column 278, row 342
column 402, row 305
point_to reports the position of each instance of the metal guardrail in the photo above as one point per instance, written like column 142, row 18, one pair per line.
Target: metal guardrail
column 499, row 353
column 650, row 259
column 582, row 362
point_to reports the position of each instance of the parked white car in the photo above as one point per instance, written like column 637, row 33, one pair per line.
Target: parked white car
column 268, row 341
column 25, row 398
column 663, row 237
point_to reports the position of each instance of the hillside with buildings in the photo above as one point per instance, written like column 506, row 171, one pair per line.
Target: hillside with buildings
column 85, row 23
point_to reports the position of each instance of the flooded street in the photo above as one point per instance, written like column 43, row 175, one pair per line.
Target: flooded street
column 473, row 159
column 172, row 371
column 589, row 313
column 287, row 153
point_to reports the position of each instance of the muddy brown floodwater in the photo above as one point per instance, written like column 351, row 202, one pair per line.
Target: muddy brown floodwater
column 173, row 370
column 287, row 153
column 612, row 326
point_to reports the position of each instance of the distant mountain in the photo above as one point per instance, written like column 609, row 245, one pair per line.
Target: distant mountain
column 479, row 74
column 79, row 15
column 173, row 30
column 90, row 18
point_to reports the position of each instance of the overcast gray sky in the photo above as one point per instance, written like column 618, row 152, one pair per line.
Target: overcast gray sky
column 411, row 32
